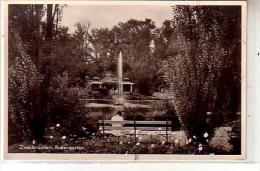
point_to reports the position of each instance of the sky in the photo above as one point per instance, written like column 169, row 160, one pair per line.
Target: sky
column 110, row 15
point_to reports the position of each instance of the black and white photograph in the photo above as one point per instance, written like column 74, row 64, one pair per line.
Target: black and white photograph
column 126, row 78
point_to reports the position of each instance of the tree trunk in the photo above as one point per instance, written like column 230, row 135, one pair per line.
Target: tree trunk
column 38, row 120
column 49, row 22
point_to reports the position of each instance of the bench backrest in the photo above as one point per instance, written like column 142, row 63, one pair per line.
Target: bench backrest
column 137, row 122
column 128, row 125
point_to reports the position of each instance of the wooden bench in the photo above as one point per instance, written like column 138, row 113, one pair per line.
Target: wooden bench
column 135, row 127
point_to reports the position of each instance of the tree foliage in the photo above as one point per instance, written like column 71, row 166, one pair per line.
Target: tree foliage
column 24, row 81
column 134, row 39
column 29, row 56
column 204, row 63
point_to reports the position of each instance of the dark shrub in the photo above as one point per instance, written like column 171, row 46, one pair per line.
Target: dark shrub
column 217, row 118
column 197, row 123
column 131, row 116
column 236, row 136
column 103, row 92
column 170, row 116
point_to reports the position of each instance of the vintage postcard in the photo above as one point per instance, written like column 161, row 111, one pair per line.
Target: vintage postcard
column 125, row 80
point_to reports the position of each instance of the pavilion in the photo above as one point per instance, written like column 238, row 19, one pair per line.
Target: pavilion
column 110, row 82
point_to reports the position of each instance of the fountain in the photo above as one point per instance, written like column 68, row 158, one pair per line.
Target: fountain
column 119, row 103
column 120, row 79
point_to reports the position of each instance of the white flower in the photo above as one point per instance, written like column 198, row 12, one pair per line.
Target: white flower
column 51, row 137
column 209, row 113
column 200, row 147
column 152, row 145
column 120, row 142
column 137, row 143
column 83, row 128
column 33, row 142
column 190, row 140
column 63, row 137
column 194, row 136
column 163, row 142
column 57, row 125
column 205, row 135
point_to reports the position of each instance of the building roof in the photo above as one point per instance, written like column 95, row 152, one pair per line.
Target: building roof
column 96, row 82
column 127, row 82
column 109, row 78
column 95, row 78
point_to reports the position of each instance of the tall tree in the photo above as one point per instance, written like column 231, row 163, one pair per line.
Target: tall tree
column 35, row 48
column 24, row 81
column 204, row 63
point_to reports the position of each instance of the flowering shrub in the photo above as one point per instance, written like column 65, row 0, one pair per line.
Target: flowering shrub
column 221, row 139
column 24, row 80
